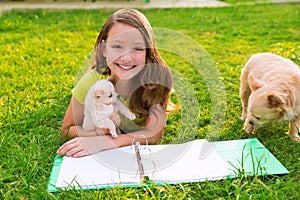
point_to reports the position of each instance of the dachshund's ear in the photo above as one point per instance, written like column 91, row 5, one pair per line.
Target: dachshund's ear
column 254, row 83
column 274, row 100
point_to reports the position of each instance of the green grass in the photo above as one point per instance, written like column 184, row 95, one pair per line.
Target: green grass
column 42, row 52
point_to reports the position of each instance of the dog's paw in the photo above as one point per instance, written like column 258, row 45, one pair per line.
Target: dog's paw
column 113, row 132
column 249, row 129
column 243, row 117
column 296, row 139
column 114, row 135
column 131, row 116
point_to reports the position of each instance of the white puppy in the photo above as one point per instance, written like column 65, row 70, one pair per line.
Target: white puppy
column 100, row 103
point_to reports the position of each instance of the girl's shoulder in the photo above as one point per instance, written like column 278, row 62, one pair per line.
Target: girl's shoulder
column 93, row 75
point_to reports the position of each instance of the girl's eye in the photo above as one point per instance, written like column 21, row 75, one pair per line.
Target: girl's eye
column 139, row 49
column 116, row 46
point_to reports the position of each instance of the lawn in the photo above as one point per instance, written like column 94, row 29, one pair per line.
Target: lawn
column 43, row 54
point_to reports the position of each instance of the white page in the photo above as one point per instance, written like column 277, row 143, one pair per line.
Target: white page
column 108, row 168
column 188, row 162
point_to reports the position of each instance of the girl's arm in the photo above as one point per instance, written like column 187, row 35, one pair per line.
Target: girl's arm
column 82, row 146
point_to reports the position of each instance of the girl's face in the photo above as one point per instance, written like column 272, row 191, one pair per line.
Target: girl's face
column 125, row 51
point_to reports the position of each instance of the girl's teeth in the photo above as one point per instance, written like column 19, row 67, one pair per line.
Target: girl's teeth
column 125, row 67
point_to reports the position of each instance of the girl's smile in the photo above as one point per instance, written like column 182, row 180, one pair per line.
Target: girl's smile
column 124, row 67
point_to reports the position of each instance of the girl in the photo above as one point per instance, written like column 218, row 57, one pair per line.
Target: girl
column 126, row 52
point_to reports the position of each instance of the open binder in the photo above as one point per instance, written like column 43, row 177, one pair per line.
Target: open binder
column 194, row 161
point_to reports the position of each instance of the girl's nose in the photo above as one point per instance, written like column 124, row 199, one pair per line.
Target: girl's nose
column 126, row 57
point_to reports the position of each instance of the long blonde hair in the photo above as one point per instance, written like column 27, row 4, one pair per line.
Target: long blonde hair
column 153, row 84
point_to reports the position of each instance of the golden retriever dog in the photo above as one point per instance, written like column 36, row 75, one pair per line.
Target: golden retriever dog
column 270, row 92
column 100, row 103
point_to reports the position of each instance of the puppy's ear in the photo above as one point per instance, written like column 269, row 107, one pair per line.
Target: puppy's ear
column 274, row 100
column 254, row 83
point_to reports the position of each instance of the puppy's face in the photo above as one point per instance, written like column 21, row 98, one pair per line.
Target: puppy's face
column 264, row 108
column 105, row 93
column 262, row 115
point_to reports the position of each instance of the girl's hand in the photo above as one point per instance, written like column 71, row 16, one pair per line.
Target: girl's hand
column 82, row 146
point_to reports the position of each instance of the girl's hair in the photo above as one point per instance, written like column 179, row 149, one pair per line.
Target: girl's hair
column 152, row 85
